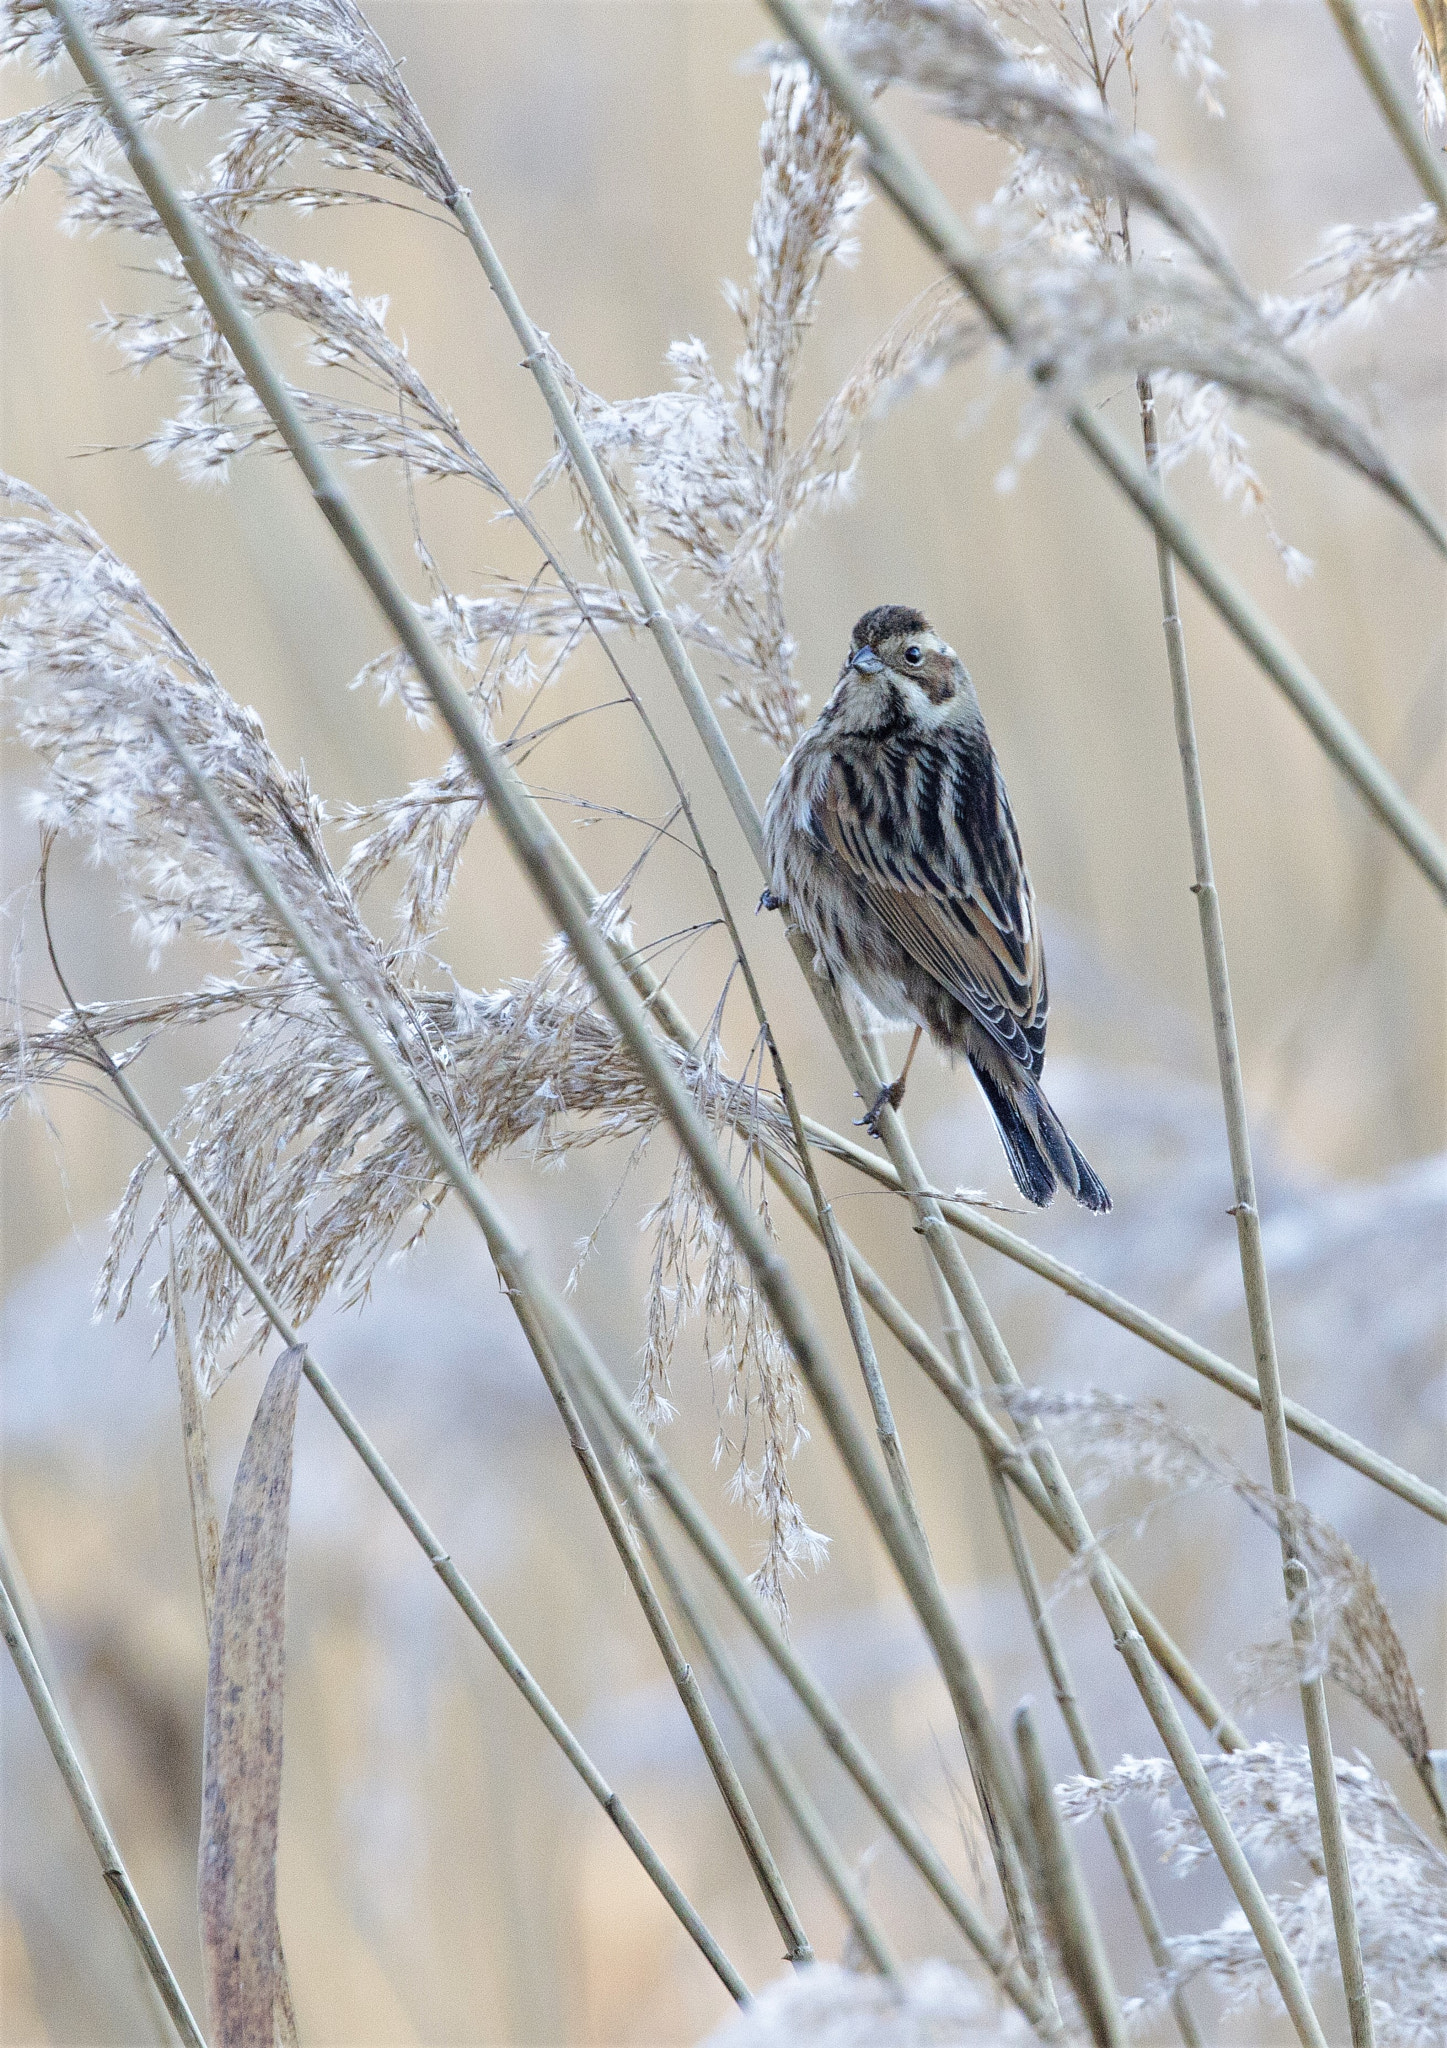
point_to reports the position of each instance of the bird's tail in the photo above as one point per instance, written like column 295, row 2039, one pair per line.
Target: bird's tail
column 1040, row 1150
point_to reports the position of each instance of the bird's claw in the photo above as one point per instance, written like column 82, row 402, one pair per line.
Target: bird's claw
column 889, row 1097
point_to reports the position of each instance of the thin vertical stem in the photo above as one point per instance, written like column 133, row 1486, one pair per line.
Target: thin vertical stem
column 94, row 1822
column 1254, row 1282
column 773, row 1760
column 1062, row 1684
column 766, row 1871
column 1426, row 163
column 1076, row 1928
column 17, row 1587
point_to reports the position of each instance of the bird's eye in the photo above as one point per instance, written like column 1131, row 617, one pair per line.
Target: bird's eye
column 913, row 656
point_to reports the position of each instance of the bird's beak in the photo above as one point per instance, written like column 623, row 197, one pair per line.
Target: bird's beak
column 866, row 661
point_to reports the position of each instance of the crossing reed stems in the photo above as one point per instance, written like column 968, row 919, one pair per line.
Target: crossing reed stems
column 547, row 1320
column 1062, row 1682
column 553, row 885
column 411, row 1516
column 761, row 1858
column 1151, row 1329
column 773, row 1759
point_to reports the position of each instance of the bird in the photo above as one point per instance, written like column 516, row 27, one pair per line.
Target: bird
column 891, row 846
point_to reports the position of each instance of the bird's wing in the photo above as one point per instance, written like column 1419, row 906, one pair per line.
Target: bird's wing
column 927, row 833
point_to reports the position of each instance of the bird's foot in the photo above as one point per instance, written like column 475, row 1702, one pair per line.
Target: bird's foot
column 889, row 1097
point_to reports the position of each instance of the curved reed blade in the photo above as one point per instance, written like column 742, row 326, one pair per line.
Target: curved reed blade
column 241, row 1772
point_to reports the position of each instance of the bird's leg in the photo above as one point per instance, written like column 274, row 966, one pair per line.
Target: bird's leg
column 892, row 1094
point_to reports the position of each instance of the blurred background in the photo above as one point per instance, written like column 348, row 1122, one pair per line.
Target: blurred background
column 443, row 1877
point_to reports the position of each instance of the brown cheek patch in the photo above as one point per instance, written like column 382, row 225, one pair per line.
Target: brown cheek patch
column 937, row 677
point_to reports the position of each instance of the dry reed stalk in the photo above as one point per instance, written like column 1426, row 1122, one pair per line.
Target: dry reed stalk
column 1255, row 1285
column 94, row 1822
column 761, row 1858
column 205, row 1522
column 248, row 1995
column 1077, row 1931
column 27, row 1614
column 1067, row 1699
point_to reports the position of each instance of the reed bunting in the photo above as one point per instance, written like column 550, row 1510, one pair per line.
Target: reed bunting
column 891, row 845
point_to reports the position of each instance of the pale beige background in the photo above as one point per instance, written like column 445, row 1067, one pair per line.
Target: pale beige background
column 441, row 1880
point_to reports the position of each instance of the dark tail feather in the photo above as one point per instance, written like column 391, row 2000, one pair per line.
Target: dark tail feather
column 1040, row 1150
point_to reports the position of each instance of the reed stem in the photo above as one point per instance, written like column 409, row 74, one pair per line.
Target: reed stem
column 1426, row 162
column 761, row 1859
column 94, row 1822
column 1076, row 1928
column 1257, row 1290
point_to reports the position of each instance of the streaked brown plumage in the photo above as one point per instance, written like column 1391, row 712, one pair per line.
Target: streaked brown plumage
column 890, row 843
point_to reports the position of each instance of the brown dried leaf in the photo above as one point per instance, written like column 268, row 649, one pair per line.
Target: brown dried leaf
column 241, row 1789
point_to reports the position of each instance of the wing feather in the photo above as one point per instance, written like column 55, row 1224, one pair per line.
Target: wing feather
column 927, row 833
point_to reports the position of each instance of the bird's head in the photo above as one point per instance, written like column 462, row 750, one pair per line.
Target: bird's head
column 897, row 659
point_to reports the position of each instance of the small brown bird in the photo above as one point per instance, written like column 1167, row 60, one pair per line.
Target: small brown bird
column 891, row 845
